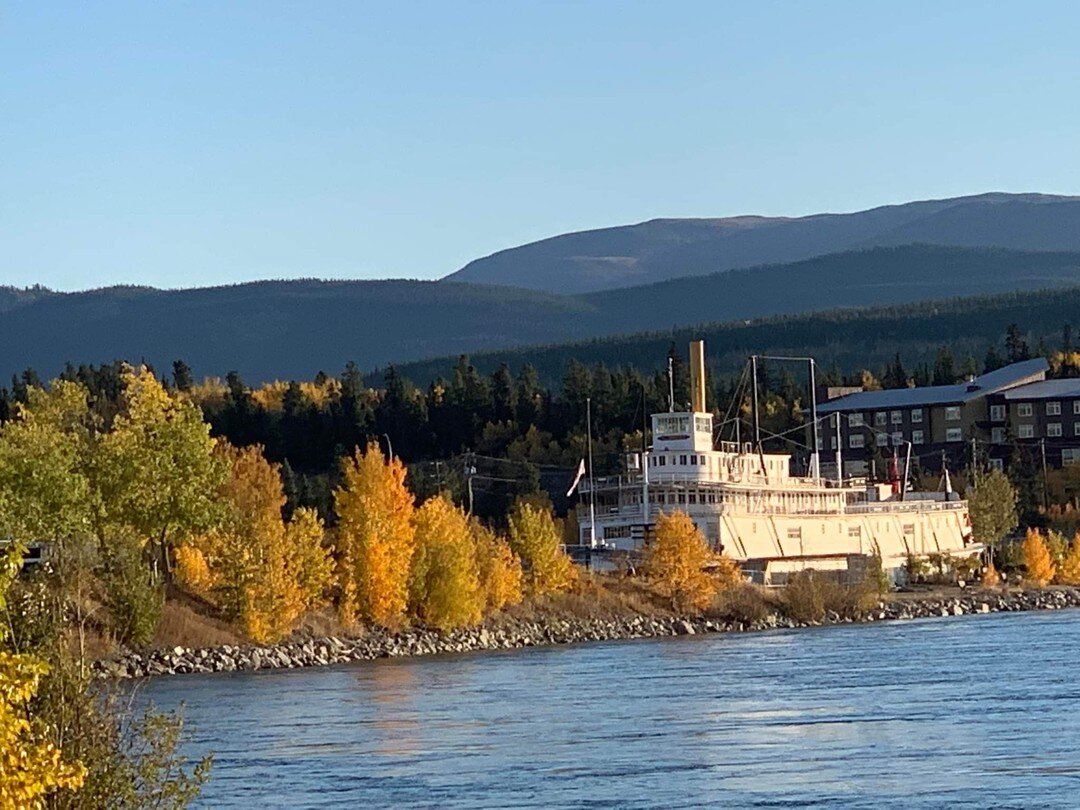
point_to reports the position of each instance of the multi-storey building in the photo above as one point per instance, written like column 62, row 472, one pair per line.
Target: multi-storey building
column 936, row 421
column 1045, row 413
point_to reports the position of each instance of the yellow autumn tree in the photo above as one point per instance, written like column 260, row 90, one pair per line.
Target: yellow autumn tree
column 1037, row 560
column 536, row 540
column 374, row 538
column 679, row 560
column 501, row 577
column 1069, row 571
column 31, row 767
column 307, row 559
column 192, row 570
column 263, row 572
column 444, row 582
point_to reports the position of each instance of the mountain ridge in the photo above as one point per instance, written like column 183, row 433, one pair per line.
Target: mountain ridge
column 663, row 248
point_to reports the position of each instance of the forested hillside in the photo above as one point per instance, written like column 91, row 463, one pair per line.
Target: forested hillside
column 293, row 329
column 846, row 339
column 661, row 249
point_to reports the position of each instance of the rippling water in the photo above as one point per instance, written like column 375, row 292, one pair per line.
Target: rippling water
column 973, row 711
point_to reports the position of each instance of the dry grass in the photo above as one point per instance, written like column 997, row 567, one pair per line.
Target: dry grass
column 743, row 603
column 188, row 621
column 809, row 596
column 594, row 596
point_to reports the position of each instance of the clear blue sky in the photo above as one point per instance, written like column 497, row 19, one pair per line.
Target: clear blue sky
column 185, row 144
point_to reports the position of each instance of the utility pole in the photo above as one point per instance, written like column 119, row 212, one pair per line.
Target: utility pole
column 671, row 384
column 592, row 488
column 815, row 452
column 469, row 471
column 839, row 453
column 1046, row 495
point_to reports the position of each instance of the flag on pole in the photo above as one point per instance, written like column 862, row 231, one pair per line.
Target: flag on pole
column 577, row 478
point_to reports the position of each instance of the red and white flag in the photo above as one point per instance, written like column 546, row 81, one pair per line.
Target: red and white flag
column 577, row 478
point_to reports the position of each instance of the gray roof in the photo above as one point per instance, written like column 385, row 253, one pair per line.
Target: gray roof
column 1046, row 389
column 992, row 382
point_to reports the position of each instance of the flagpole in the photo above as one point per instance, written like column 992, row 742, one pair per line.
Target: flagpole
column 592, row 489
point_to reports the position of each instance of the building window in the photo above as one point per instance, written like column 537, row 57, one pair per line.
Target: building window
column 882, row 439
column 1070, row 455
column 1053, row 429
column 856, row 441
column 997, row 413
column 954, row 435
column 952, row 413
column 917, row 437
column 896, row 417
column 1076, row 406
column 916, row 415
column 1024, row 409
column 1025, row 431
column 879, row 418
column 997, row 435
column 898, row 438
column 855, row 419
column 794, row 534
column 1053, row 409
column 997, row 464
column 682, row 460
column 1076, row 428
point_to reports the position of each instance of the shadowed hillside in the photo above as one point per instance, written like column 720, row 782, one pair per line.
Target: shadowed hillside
column 292, row 329
column 850, row 339
column 669, row 248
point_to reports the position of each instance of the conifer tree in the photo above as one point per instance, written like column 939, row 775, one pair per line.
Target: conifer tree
column 536, row 540
column 375, row 538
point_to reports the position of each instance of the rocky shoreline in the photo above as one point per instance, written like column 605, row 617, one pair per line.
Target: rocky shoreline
column 518, row 634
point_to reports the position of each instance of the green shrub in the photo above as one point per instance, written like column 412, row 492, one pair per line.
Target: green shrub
column 134, row 595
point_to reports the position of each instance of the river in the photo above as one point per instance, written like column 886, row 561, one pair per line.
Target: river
column 967, row 711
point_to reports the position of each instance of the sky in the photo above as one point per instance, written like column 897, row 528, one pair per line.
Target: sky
column 192, row 144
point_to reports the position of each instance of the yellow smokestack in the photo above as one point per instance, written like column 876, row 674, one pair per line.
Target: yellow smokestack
column 697, row 376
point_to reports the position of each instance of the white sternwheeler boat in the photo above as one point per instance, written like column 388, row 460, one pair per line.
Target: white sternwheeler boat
column 749, row 505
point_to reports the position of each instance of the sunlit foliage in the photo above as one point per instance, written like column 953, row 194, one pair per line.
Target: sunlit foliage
column 536, row 540
column 501, row 577
column 678, row 559
column 375, row 538
column 1038, row 564
column 444, row 583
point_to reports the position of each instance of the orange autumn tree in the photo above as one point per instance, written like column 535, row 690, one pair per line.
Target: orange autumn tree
column 261, row 571
column 375, row 538
column 678, row 559
column 444, row 582
column 501, row 577
column 1037, row 560
column 537, row 541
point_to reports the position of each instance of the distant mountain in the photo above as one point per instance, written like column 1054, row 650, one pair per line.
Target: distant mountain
column 662, row 249
column 292, row 329
column 273, row 329
column 850, row 339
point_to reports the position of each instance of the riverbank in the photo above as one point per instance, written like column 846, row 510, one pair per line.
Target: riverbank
column 513, row 633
